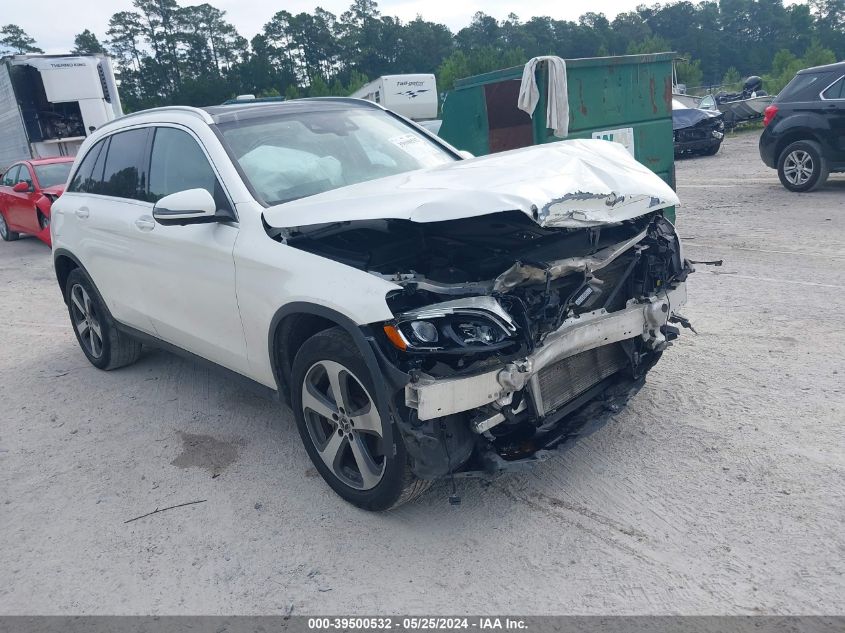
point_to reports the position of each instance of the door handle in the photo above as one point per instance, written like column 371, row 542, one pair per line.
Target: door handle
column 145, row 223
column 82, row 213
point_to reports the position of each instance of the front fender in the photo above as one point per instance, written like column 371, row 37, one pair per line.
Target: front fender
column 386, row 378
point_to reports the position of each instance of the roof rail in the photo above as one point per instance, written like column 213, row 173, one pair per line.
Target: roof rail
column 197, row 112
column 349, row 100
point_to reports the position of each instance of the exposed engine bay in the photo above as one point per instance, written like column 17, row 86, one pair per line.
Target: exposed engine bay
column 509, row 330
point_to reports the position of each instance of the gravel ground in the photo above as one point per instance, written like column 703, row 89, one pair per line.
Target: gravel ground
column 718, row 491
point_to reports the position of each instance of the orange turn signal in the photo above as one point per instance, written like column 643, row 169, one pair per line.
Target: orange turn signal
column 395, row 337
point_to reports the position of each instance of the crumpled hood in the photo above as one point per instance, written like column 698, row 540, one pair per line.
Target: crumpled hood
column 688, row 117
column 572, row 184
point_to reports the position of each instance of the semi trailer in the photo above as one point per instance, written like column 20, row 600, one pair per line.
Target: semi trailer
column 50, row 103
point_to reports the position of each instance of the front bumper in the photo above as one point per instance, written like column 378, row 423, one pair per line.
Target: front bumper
column 437, row 397
column 697, row 140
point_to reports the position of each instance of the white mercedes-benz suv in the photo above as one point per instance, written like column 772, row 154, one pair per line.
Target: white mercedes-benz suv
column 424, row 313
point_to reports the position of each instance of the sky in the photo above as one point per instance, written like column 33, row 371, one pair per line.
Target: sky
column 54, row 27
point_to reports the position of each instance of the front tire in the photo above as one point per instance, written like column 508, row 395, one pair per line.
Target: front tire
column 712, row 150
column 103, row 344
column 802, row 166
column 333, row 399
column 6, row 233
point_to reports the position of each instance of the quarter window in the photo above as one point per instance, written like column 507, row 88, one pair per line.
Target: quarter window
column 803, row 87
column 124, row 174
column 836, row 91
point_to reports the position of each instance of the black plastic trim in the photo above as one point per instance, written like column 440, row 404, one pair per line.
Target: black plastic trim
column 233, row 376
column 63, row 252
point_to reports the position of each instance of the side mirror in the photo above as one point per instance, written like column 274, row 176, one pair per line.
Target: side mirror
column 465, row 154
column 192, row 206
column 21, row 187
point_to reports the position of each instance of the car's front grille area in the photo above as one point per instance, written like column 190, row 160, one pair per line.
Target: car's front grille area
column 567, row 379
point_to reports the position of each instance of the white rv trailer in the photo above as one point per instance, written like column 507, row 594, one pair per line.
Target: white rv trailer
column 412, row 96
column 50, row 103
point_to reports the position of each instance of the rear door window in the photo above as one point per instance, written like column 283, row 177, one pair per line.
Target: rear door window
column 84, row 179
column 125, row 175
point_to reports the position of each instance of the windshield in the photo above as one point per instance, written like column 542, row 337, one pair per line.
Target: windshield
column 290, row 156
column 52, row 174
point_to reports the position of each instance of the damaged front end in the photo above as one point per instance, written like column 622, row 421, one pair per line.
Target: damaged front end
column 507, row 330
column 533, row 290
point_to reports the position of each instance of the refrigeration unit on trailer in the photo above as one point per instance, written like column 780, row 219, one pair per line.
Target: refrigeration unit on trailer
column 50, row 103
column 412, row 96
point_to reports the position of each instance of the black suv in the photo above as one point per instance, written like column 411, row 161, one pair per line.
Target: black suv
column 804, row 137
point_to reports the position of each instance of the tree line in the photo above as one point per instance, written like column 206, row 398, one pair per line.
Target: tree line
column 166, row 53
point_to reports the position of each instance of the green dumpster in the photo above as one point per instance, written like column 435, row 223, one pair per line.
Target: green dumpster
column 627, row 99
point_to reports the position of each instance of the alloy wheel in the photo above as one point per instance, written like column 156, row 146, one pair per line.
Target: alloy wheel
column 344, row 424
column 86, row 321
column 798, row 167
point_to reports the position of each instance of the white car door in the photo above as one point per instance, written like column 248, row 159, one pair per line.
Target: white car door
column 188, row 280
column 102, row 202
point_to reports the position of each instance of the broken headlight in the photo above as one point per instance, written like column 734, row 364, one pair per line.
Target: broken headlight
column 463, row 325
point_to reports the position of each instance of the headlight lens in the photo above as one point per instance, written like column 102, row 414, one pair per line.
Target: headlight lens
column 476, row 332
column 474, row 324
column 424, row 331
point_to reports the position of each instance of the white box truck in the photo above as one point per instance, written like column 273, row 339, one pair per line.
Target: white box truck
column 412, row 96
column 50, row 103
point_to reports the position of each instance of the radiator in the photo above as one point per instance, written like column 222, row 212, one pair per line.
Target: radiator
column 567, row 379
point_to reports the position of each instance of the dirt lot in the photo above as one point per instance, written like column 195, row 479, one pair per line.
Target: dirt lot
column 721, row 490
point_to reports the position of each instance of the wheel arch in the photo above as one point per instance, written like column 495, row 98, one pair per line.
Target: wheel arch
column 296, row 322
column 793, row 135
column 64, row 262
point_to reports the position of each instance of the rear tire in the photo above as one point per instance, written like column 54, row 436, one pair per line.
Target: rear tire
column 6, row 233
column 344, row 434
column 802, row 166
column 103, row 344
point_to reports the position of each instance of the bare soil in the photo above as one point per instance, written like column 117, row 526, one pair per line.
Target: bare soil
column 719, row 490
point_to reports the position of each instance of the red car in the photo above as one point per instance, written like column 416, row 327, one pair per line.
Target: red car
column 27, row 191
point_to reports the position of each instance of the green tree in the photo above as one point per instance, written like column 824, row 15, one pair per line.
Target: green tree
column 818, row 55
column 830, row 24
column 628, row 29
column 356, row 80
column 652, row 44
column 731, row 79
column 168, row 51
column 464, row 64
column 318, row 88
column 423, row 46
column 86, row 43
column 689, row 73
column 13, row 39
